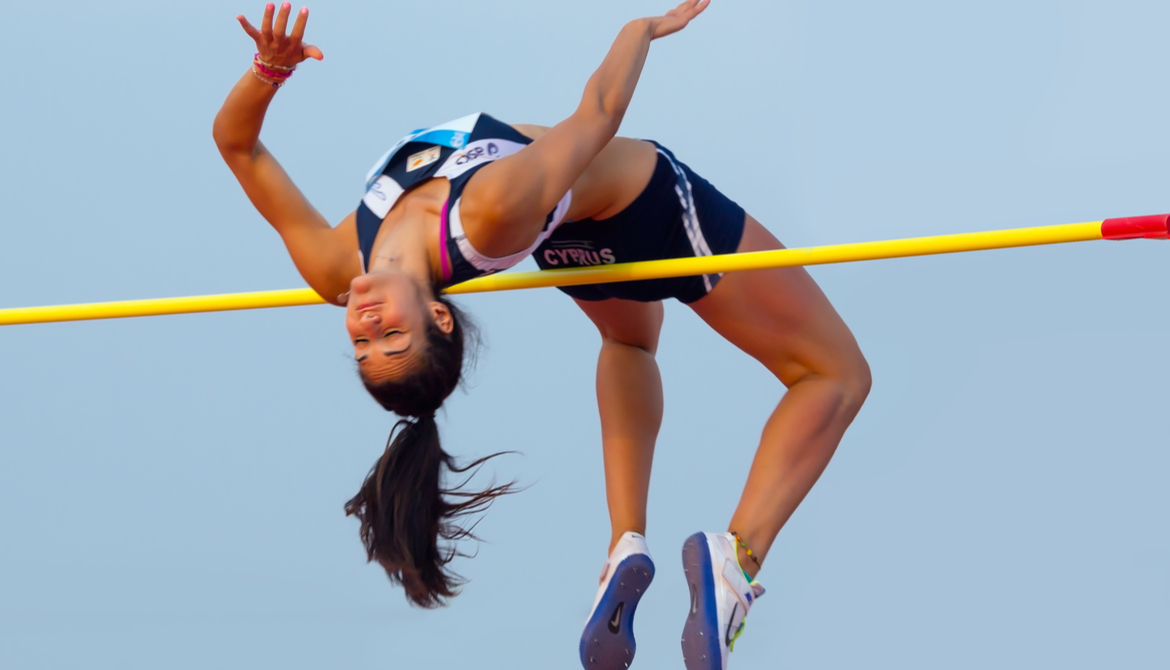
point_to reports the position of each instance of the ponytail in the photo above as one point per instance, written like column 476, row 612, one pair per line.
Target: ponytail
column 409, row 520
column 405, row 511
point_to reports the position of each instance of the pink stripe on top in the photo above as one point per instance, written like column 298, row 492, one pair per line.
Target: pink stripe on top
column 444, row 233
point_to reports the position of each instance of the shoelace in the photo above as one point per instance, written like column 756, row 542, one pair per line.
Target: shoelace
column 738, row 632
column 742, row 625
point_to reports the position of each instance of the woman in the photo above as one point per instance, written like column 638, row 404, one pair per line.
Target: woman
column 476, row 196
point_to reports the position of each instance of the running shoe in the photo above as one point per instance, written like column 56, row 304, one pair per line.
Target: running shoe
column 721, row 596
column 608, row 640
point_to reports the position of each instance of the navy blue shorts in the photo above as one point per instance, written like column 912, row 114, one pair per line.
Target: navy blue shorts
column 678, row 215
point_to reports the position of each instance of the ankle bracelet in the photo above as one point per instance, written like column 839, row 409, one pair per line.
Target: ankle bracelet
column 739, row 542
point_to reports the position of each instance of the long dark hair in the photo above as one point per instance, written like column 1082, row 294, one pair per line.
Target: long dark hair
column 409, row 520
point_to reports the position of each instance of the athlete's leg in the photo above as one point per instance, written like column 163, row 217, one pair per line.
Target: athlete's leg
column 629, row 399
column 781, row 318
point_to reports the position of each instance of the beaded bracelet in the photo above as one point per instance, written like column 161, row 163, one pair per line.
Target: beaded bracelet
column 740, row 542
column 272, row 66
column 270, row 82
column 271, row 74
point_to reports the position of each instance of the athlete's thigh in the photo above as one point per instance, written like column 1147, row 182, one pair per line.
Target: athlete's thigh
column 505, row 203
column 636, row 324
column 780, row 317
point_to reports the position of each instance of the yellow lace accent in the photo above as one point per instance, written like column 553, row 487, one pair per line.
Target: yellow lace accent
column 738, row 632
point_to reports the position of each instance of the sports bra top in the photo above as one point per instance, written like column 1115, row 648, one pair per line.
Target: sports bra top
column 454, row 151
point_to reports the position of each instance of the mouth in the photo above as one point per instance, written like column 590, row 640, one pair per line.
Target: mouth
column 367, row 305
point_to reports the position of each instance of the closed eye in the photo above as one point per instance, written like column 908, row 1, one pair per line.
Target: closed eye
column 392, row 339
column 395, row 339
column 363, row 340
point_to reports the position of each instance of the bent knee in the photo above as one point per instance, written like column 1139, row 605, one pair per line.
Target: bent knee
column 850, row 384
column 848, row 393
column 646, row 344
column 625, row 323
column 855, row 382
column 860, row 382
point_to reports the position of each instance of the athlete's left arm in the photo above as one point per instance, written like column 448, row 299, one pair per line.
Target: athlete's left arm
column 520, row 190
column 323, row 255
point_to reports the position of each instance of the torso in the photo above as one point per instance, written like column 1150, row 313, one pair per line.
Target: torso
column 613, row 180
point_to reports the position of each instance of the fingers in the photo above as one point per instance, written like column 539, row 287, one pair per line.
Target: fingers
column 691, row 8
column 266, row 22
column 684, row 13
column 248, row 28
column 271, row 39
column 688, row 9
column 298, row 31
column 281, row 25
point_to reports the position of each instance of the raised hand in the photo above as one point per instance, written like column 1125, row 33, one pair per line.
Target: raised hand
column 677, row 18
column 273, row 45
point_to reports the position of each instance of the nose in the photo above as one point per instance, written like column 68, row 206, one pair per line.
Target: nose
column 370, row 318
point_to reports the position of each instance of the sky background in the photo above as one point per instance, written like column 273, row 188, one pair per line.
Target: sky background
column 171, row 488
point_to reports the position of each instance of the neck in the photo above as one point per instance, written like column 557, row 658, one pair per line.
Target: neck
column 409, row 241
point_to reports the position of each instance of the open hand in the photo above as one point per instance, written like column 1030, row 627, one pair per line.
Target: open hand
column 273, row 45
column 677, row 18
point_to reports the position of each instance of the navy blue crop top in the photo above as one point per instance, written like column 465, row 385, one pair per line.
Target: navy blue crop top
column 455, row 151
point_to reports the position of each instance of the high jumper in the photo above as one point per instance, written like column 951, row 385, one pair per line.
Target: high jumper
column 465, row 199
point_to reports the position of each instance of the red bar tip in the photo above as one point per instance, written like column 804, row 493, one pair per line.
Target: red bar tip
column 1155, row 227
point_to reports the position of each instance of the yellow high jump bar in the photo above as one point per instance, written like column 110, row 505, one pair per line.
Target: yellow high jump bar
column 1149, row 227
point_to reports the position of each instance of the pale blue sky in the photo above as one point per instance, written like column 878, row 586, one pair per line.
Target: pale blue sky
column 171, row 489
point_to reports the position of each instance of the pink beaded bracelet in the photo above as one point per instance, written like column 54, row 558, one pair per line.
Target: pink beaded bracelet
column 286, row 68
column 270, row 73
column 274, row 84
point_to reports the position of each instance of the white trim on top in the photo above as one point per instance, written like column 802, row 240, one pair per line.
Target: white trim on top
column 382, row 195
column 489, row 264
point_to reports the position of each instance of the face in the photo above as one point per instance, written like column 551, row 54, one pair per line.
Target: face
column 386, row 316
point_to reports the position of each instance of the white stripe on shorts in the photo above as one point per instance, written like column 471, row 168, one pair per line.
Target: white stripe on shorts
column 690, row 217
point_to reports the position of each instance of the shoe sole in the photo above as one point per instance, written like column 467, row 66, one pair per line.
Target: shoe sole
column 603, row 647
column 700, row 637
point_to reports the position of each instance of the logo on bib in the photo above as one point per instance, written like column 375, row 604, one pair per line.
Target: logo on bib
column 423, row 159
column 476, row 154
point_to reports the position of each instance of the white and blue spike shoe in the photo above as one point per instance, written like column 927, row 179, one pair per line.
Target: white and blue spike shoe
column 608, row 640
column 721, row 596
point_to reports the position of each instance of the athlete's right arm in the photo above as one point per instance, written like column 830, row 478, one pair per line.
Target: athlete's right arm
column 511, row 197
column 317, row 249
